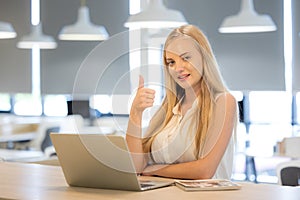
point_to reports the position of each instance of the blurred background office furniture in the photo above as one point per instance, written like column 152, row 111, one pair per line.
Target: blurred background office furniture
column 266, row 156
column 16, row 130
column 289, row 173
column 25, row 139
column 12, row 155
column 71, row 124
column 42, row 140
column 289, row 146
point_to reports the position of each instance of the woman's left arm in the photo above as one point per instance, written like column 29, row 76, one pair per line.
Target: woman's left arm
column 204, row 168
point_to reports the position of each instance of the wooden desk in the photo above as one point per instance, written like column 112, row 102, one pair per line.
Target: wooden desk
column 33, row 181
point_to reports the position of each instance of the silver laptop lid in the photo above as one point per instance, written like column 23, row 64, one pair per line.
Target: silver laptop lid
column 96, row 161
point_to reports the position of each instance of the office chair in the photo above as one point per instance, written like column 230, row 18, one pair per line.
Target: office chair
column 42, row 139
column 288, row 173
column 47, row 140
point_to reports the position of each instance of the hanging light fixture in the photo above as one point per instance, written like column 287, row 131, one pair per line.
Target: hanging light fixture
column 7, row 31
column 36, row 37
column 157, row 37
column 247, row 21
column 156, row 15
column 83, row 29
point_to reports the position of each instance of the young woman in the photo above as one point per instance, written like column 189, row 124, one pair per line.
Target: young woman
column 191, row 135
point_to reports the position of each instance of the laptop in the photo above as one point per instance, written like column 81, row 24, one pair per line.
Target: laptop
column 100, row 161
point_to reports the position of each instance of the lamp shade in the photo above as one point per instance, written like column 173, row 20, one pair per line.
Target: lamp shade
column 155, row 15
column 36, row 37
column 157, row 37
column 7, row 31
column 247, row 21
column 83, row 29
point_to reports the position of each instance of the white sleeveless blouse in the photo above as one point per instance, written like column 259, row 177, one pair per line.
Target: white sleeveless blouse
column 175, row 143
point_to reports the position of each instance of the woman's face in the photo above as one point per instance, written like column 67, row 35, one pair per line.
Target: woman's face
column 184, row 63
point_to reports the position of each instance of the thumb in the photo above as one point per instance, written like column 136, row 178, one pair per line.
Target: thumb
column 141, row 81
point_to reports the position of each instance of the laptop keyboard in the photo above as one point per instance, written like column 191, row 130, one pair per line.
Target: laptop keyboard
column 145, row 185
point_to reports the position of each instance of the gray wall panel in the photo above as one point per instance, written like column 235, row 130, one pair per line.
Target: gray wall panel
column 61, row 66
column 15, row 70
column 247, row 61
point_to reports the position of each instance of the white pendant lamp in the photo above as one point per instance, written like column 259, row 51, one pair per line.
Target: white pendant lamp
column 7, row 31
column 156, row 15
column 83, row 29
column 158, row 37
column 36, row 37
column 247, row 21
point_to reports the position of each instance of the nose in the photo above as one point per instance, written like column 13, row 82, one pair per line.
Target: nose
column 179, row 69
column 179, row 66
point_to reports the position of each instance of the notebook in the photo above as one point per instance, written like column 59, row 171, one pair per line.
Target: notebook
column 100, row 161
column 207, row 184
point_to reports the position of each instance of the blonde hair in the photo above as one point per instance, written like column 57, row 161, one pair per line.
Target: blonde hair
column 211, row 84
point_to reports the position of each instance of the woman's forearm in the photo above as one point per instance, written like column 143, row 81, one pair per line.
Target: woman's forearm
column 188, row 170
column 134, row 141
column 143, row 99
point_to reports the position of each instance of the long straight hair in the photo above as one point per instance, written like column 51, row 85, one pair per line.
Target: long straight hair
column 211, row 84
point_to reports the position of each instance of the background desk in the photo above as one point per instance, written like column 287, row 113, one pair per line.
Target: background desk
column 17, row 137
column 14, row 132
column 34, row 181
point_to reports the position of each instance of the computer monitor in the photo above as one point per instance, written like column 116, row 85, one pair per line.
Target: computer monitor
column 79, row 107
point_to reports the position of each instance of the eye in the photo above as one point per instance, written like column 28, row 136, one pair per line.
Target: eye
column 186, row 58
column 170, row 63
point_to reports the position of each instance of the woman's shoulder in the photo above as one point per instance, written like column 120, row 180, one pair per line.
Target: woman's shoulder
column 224, row 96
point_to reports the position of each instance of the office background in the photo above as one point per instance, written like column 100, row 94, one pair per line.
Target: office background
column 249, row 62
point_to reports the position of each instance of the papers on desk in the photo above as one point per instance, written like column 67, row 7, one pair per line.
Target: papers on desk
column 207, row 184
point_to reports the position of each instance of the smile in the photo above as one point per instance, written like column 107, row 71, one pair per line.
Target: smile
column 183, row 77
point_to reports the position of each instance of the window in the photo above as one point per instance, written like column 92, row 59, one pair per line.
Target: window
column 5, row 105
column 238, row 95
column 270, row 116
column 298, row 108
column 270, row 107
column 28, row 105
column 101, row 103
column 106, row 104
column 55, row 105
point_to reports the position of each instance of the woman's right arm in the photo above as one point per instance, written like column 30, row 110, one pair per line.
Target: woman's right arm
column 143, row 99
